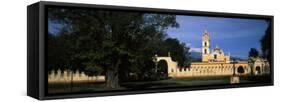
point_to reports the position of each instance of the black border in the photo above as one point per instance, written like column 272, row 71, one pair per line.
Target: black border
column 43, row 31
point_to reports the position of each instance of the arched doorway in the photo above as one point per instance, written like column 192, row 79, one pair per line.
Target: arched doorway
column 162, row 69
column 258, row 70
column 240, row 70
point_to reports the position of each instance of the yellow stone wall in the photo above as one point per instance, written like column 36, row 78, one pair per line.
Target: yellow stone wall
column 65, row 77
column 206, row 58
column 211, row 69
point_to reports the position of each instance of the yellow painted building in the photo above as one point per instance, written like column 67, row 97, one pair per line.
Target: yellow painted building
column 215, row 55
column 215, row 63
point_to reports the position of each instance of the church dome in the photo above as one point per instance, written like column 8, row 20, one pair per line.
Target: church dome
column 217, row 50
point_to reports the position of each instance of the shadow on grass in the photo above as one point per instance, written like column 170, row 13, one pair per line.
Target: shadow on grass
column 138, row 85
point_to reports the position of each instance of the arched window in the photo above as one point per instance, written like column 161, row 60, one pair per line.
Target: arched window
column 215, row 56
column 205, row 51
column 205, row 43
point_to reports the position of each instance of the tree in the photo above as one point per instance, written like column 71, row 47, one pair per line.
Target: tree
column 112, row 41
column 253, row 53
column 92, row 70
column 61, row 53
column 178, row 51
column 53, row 59
column 266, row 43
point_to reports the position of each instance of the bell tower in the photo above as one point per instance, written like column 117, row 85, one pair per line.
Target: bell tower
column 205, row 46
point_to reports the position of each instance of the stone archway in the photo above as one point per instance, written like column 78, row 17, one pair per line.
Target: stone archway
column 172, row 65
column 162, row 69
column 240, row 70
column 258, row 70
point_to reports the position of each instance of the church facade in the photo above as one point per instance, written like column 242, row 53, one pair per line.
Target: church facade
column 216, row 63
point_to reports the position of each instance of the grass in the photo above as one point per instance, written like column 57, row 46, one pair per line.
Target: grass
column 172, row 82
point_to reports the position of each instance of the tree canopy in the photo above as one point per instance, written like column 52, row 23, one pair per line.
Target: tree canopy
column 253, row 53
column 266, row 43
column 114, row 43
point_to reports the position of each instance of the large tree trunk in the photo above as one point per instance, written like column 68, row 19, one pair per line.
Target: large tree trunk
column 112, row 78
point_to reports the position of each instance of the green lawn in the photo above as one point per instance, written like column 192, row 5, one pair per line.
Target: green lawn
column 172, row 82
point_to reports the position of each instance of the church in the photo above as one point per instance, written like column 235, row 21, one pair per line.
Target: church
column 215, row 55
column 215, row 63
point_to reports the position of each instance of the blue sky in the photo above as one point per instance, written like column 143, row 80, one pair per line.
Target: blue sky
column 53, row 27
column 233, row 35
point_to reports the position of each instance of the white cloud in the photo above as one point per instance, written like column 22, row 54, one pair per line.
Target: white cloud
column 193, row 49
column 187, row 44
